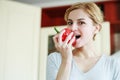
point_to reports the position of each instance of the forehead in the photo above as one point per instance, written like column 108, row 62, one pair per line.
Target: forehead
column 78, row 14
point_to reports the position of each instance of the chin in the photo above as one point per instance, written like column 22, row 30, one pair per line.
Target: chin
column 77, row 46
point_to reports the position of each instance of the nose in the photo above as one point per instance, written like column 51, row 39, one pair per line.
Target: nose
column 74, row 27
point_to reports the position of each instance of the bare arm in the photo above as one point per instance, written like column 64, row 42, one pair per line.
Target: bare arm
column 64, row 70
column 65, row 49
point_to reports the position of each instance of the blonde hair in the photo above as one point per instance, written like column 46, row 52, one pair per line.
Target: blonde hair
column 90, row 8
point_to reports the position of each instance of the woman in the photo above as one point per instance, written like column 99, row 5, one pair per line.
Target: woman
column 83, row 62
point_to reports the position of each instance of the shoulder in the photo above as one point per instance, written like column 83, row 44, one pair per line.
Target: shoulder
column 112, row 62
column 110, row 59
column 54, row 58
column 112, row 66
column 116, row 54
column 54, row 55
column 116, row 62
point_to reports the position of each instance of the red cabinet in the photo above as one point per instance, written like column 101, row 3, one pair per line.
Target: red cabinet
column 53, row 16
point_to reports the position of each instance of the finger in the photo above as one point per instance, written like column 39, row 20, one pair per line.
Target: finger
column 68, row 38
column 55, row 40
column 60, row 37
column 72, row 40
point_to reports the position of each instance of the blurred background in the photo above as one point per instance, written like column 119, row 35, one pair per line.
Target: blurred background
column 26, row 27
column 54, row 9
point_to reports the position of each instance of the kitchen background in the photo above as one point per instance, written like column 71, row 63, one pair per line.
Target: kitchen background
column 27, row 25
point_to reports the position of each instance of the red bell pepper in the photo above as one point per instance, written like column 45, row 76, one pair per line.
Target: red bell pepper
column 65, row 34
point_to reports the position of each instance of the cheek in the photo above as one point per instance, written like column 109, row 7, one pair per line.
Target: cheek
column 89, row 33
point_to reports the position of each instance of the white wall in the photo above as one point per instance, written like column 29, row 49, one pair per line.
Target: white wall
column 19, row 41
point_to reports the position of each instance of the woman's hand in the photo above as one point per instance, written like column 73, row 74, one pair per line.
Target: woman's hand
column 64, row 47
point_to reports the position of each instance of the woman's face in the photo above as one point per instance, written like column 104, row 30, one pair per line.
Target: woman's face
column 82, row 26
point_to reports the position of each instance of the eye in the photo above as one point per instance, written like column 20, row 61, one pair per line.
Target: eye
column 81, row 22
column 69, row 23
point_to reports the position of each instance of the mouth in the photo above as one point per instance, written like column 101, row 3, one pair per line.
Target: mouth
column 77, row 36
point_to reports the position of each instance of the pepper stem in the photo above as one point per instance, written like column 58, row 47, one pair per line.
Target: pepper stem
column 56, row 30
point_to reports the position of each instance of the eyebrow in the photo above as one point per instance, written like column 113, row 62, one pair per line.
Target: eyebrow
column 77, row 19
column 81, row 19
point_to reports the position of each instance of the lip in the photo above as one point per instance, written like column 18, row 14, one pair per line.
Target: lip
column 77, row 34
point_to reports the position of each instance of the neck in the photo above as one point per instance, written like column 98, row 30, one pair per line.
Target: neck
column 86, row 52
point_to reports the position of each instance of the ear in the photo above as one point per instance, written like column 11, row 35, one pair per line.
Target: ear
column 97, row 28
